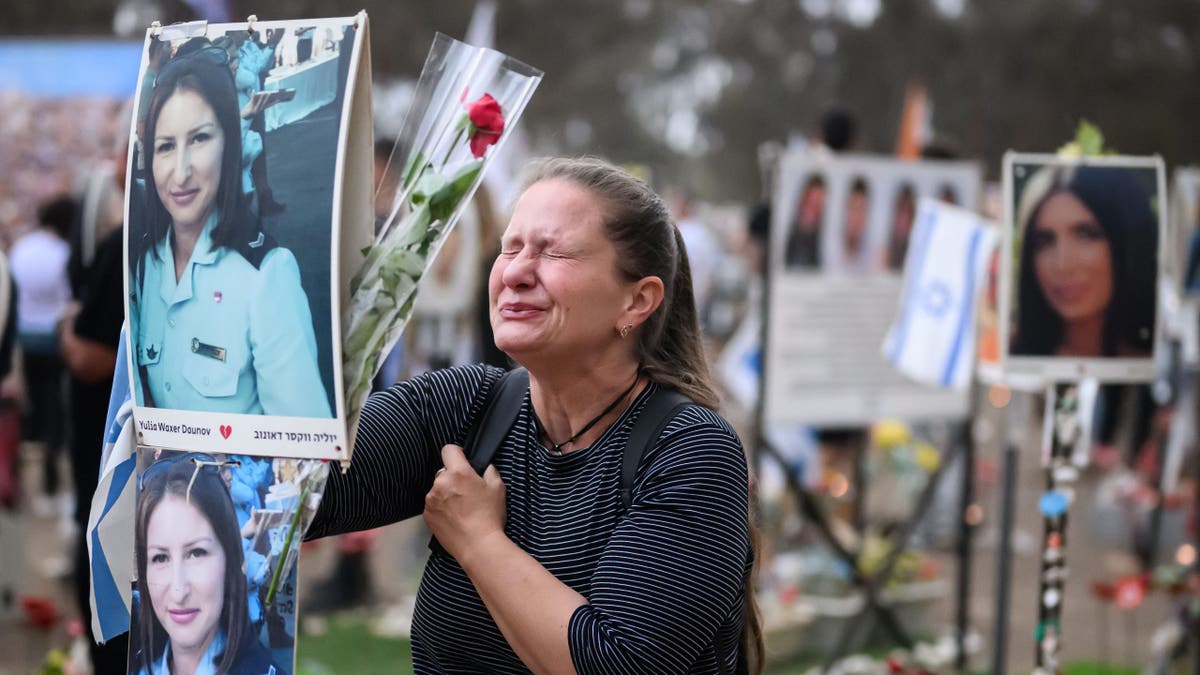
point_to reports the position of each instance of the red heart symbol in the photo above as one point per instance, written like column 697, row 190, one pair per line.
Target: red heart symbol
column 226, row 430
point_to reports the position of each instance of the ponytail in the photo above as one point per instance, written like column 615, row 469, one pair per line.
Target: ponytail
column 670, row 350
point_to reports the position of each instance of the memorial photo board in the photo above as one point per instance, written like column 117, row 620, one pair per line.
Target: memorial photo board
column 840, row 232
column 245, row 138
column 1182, row 261
column 1082, row 258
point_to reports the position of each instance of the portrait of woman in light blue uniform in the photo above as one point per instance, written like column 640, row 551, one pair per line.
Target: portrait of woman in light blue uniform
column 217, row 312
column 190, row 613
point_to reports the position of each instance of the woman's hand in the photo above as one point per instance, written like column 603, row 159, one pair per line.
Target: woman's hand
column 255, row 105
column 464, row 509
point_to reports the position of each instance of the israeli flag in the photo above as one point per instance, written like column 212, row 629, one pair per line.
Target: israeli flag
column 933, row 338
column 110, row 523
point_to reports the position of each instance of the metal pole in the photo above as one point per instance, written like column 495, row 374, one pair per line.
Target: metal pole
column 1194, row 618
column 1008, row 500
column 965, row 531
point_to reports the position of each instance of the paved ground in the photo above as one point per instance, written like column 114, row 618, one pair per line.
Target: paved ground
column 1092, row 632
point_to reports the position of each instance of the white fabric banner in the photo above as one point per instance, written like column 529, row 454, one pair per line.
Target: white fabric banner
column 933, row 337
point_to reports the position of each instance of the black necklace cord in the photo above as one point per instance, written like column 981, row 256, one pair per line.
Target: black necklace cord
column 556, row 448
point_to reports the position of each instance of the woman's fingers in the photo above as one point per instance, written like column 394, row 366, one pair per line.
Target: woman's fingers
column 454, row 460
column 491, row 478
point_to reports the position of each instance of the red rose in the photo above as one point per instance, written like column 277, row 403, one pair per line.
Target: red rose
column 487, row 123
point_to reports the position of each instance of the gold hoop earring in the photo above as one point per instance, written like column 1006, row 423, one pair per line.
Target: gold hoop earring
column 625, row 330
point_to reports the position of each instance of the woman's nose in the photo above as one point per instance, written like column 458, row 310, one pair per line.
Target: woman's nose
column 183, row 164
column 1065, row 255
column 180, row 585
column 519, row 271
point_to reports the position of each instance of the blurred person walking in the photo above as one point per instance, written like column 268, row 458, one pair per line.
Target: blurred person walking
column 11, row 529
column 39, row 266
column 10, row 415
column 88, row 339
column 704, row 251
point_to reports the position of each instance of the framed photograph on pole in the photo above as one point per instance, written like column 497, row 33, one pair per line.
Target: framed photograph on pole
column 1082, row 256
column 246, row 140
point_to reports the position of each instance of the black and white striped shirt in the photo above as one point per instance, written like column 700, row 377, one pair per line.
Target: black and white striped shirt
column 664, row 581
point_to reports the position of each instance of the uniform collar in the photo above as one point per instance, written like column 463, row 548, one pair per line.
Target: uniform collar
column 207, row 665
column 203, row 254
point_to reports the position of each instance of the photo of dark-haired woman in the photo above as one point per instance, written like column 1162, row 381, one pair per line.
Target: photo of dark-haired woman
column 804, row 237
column 903, row 214
column 191, row 610
column 219, row 319
column 1087, row 266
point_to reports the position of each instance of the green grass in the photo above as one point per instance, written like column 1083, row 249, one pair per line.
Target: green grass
column 1089, row 668
column 348, row 646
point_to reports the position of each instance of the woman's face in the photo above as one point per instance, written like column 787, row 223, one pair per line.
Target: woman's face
column 185, row 573
column 554, row 288
column 856, row 219
column 812, row 206
column 902, row 219
column 1072, row 258
column 188, row 147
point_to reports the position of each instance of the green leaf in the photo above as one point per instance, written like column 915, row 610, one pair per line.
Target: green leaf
column 415, row 166
column 1088, row 142
column 444, row 201
column 362, row 334
column 1091, row 141
column 415, row 225
column 428, row 185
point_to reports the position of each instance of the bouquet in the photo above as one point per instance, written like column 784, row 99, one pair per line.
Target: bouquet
column 467, row 101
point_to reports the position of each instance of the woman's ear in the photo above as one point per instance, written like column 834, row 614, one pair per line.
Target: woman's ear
column 645, row 297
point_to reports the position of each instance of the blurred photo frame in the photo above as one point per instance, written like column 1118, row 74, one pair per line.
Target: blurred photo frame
column 1183, row 250
column 217, row 537
column 836, row 279
column 1081, row 259
column 853, row 214
column 244, row 194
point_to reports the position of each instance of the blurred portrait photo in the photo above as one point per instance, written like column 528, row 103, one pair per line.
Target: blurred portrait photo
column 1086, row 260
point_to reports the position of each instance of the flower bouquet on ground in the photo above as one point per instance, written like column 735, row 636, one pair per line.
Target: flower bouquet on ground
column 466, row 103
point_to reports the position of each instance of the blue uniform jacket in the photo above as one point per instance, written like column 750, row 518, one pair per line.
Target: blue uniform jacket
column 227, row 337
column 254, row 659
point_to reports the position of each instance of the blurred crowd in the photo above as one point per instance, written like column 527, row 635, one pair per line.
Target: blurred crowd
column 61, row 210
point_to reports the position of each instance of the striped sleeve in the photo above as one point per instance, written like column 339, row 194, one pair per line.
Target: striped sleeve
column 401, row 432
column 674, row 570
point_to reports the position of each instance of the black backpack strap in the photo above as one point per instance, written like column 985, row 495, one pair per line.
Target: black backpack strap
column 492, row 424
column 490, row 427
column 662, row 407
